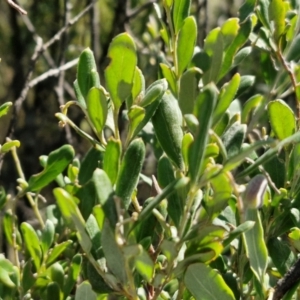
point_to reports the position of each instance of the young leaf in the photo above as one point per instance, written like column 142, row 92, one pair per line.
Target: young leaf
column 214, row 49
column 32, row 243
column 189, row 89
column 57, row 161
column 120, row 72
column 73, row 273
column 181, row 10
column 136, row 114
column 169, row 74
column 57, row 251
column 238, row 42
column 138, row 88
column 203, row 110
column 167, row 122
column 4, row 108
column 53, row 291
column 256, row 249
column 8, row 145
column 226, row 96
column 206, row 283
column 47, row 236
column 89, row 163
column 112, row 158
column 96, row 102
column 285, row 125
column 85, row 78
column 186, row 43
column 154, row 91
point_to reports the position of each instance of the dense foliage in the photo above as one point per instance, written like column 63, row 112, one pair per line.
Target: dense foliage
column 216, row 215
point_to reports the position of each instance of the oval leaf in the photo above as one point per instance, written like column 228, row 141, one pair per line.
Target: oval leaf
column 120, row 72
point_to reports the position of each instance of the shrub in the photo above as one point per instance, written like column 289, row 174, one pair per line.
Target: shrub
column 222, row 219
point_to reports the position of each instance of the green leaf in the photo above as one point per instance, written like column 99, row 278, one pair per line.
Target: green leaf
column 6, row 270
column 32, row 243
column 73, row 273
column 68, row 206
column 189, row 89
column 94, row 233
column 238, row 42
column 226, row 96
column 238, row 231
column 281, row 254
column 214, row 49
column 185, row 43
column 47, row 236
column 206, row 284
column 57, row 274
column 293, row 52
column 165, row 176
column 96, row 280
column 166, row 192
column 85, row 292
column 113, row 254
column 233, row 138
column 187, row 141
column 277, row 15
column 120, row 72
column 169, row 74
column 78, row 94
column 255, row 246
column 247, row 9
column 131, row 167
column 4, row 108
column 8, row 145
column 263, row 13
column 229, row 31
column 246, row 82
column 181, row 10
column 203, row 110
column 249, row 106
column 57, row 250
column 57, row 161
column 167, row 122
column 53, row 291
column 282, row 119
column 136, row 114
column 104, row 195
column 154, row 91
column 28, row 279
column 138, row 88
column 85, row 77
column 89, row 163
column 96, row 102
column 144, row 265
column 8, row 226
column 112, row 158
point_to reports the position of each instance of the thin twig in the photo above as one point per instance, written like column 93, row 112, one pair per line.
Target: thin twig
column 17, row 7
column 132, row 14
column 40, row 49
column 53, row 72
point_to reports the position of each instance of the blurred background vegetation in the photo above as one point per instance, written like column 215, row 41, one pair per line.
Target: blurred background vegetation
column 34, row 124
